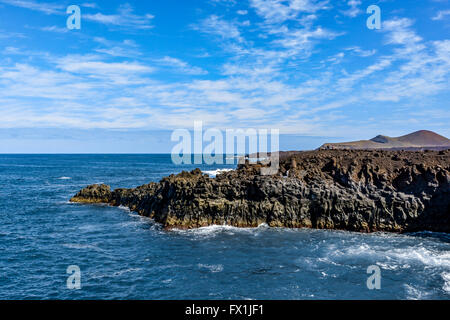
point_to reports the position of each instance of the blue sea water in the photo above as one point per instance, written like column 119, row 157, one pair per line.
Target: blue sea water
column 124, row 256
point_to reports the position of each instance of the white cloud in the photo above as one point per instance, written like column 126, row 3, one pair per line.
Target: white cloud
column 90, row 5
column 125, row 48
column 347, row 83
column 399, row 31
column 354, row 9
column 277, row 11
column 55, row 29
column 441, row 15
column 222, row 28
column 273, row 81
column 360, row 52
column 181, row 66
column 47, row 8
column 89, row 65
column 302, row 40
column 257, row 70
column 124, row 18
column 414, row 71
column 12, row 50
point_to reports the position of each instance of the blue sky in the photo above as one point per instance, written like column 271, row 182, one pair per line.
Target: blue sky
column 139, row 69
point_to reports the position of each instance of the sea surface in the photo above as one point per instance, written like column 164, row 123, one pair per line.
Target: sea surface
column 124, row 256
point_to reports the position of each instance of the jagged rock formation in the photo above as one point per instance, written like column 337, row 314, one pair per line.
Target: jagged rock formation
column 362, row 191
column 420, row 140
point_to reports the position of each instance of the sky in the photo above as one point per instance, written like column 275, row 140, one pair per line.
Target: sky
column 137, row 70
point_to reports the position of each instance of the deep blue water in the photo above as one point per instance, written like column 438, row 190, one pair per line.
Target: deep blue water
column 124, row 256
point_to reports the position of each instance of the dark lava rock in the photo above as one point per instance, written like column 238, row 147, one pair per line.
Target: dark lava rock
column 93, row 194
column 366, row 191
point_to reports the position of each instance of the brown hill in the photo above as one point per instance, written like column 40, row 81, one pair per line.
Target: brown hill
column 415, row 141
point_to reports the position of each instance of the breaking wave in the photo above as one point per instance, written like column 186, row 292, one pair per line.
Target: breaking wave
column 214, row 173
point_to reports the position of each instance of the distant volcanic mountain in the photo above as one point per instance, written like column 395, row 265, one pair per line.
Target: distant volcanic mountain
column 420, row 140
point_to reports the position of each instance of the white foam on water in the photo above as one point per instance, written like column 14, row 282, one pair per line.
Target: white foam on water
column 64, row 178
column 91, row 227
column 172, row 266
column 404, row 256
column 124, row 208
column 213, row 230
column 423, row 255
column 214, row 173
column 82, row 247
column 129, row 224
column 138, row 219
column 413, row 293
column 115, row 274
column 214, row 268
column 119, row 273
column 446, row 277
column 205, row 231
column 393, row 267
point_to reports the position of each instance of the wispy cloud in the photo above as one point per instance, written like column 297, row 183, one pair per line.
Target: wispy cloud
column 353, row 9
column 399, row 31
column 125, row 17
column 301, row 40
column 125, row 48
column 89, row 5
column 54, row 29
column 360, row 52
column 275, row 11
column 181, row 66
column 122, row 73
column 269, row 63
column 441, row 15
column 47, row 8
column 219, row 27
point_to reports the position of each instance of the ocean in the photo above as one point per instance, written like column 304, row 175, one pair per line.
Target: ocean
column 121, row 255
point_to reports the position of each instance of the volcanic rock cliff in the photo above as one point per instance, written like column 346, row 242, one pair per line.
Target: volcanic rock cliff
column 366, row 191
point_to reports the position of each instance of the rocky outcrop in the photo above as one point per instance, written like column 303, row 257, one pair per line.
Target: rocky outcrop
column 94, row 194
column 362, row 191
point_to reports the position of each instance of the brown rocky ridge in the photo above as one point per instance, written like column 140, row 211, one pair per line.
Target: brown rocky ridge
column 355, row 190
column 420, row 140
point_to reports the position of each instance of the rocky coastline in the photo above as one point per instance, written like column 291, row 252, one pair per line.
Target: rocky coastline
column 354, row 190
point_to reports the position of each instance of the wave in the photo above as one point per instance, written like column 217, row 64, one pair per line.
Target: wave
column 446, row 277
column 414, row 293
column 82, row 247
column 119, row 273
column 214, row 173
column 124, row 208
column 64, row 178
column 214, row 268
column 404, row 256
column 214, row 230
column 90, row 228
column 114, row 274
